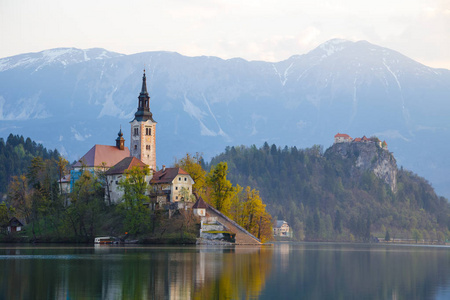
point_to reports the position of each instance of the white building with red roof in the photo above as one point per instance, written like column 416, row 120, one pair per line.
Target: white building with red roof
column 171, row 185
column 99, row 158
column 342, row 138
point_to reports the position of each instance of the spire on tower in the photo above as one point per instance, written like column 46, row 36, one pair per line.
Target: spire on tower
column 144, row 85
column 143, row 113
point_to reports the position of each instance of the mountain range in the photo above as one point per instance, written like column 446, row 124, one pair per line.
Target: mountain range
column 71, row 99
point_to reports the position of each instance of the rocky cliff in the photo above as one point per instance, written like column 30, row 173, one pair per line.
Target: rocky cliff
column 368, row 156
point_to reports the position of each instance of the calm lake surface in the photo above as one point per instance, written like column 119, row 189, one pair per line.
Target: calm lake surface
column 281, row 271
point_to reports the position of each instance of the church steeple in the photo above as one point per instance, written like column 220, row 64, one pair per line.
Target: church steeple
column 143, row 130
column 143, row 113
column 144, row 85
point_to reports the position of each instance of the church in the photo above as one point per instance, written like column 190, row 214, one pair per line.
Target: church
column 168, row 185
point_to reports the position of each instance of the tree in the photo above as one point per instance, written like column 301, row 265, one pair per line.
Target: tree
column 387, row 237
column 137, row 215
column 236, row 211
column 185, row 195
column 4, row 216
column 62, row 164
column 222, row 190
column 101, row 174
column 416, row 234
column 19, row 196
column 256, row 220
column 87, row 202
column 191, row 164
column 337, row 226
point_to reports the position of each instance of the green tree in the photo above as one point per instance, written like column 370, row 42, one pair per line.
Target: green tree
column 133, row 207
column 387, row 237
column 416, row 234
column 101, row 174
column 4, row 216
column 87, row 202
column 337, row 226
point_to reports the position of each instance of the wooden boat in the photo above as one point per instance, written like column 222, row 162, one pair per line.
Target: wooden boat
column 105, row 240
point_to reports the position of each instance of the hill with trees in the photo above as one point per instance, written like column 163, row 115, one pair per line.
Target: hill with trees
column 33, row 196
column 16, row 155
column 340, row 194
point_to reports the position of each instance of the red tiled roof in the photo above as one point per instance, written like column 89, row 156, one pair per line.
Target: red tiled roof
column 357, row 140
column 342, row 135
column 167, row 175
column 200, row 204
column 98, row 154
column 125, row 164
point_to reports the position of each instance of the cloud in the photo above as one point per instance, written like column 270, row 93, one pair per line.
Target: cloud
column 391, row 134
column 78, row 136
column 426, row 36
column 254, row 30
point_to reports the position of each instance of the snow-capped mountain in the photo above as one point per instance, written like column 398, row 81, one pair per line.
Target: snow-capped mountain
column 70, row 99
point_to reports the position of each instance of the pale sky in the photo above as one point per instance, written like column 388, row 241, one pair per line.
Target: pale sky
column 270, row 30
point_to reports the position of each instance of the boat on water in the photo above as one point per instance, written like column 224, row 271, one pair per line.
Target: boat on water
column 105, row 240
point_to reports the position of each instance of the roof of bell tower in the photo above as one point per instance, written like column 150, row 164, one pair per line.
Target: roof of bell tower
column 143, row 112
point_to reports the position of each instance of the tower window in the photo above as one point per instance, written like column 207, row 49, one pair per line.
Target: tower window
column 147, row 147
column 135, row 147
column 148, row 131
column 136, row 131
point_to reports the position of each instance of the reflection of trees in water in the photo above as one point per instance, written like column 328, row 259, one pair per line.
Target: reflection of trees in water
column 237, row 274
column 300, row 272
column 114, row 273
column 359, row 272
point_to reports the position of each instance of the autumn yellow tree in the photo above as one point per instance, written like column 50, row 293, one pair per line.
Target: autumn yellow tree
column 222, row 190
column 236, row 211
column 244, row 207
column 257, row 220
column 191, row 164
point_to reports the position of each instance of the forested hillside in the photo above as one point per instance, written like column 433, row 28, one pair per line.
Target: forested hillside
column 16, row 155
column 322, row 198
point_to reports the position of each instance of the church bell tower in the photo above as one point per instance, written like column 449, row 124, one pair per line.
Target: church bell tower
column 143, row 130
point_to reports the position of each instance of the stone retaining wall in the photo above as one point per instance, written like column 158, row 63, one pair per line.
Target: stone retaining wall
column 243, row 237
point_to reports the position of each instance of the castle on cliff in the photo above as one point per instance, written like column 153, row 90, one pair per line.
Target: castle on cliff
column 345, row 138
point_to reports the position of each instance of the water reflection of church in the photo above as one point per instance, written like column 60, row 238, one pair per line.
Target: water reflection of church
column 190, row 273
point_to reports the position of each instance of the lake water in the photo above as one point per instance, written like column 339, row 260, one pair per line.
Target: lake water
column 282, row 271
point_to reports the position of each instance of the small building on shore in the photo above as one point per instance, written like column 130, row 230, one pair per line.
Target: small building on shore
column 14, row 225
column 282, row 229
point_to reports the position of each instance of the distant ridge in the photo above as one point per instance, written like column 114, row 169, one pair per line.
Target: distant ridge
column 71, row 99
